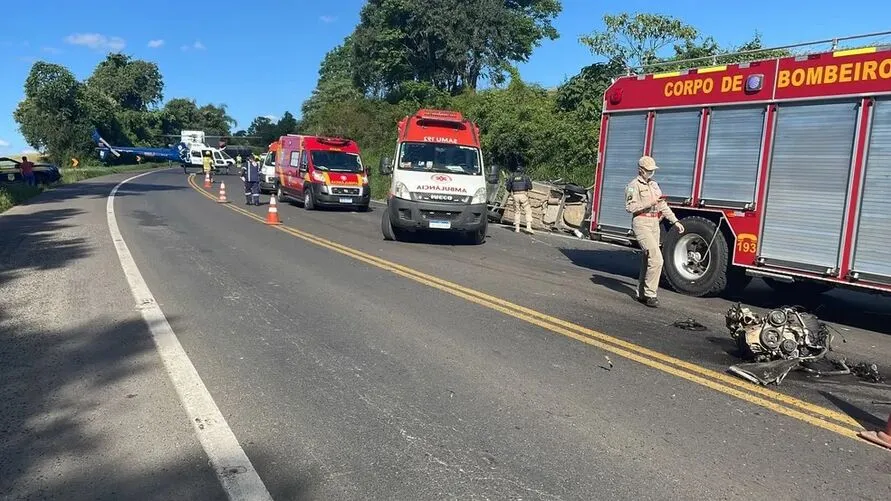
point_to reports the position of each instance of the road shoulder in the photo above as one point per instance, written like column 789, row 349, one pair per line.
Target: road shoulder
column 89, row 409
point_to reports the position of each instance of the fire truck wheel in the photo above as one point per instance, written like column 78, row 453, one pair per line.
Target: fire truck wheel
column 690, row 267
column 797, row 288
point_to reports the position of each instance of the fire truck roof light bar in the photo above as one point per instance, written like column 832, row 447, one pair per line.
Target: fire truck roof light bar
column 834, row 42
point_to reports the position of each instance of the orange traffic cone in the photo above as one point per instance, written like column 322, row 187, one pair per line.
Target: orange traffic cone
column 207, row 179
column 272, row 214
column 222, row 198
column 882, row 438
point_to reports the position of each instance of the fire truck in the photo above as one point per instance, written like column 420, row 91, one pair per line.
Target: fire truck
column 778, row 169
column 439, row 181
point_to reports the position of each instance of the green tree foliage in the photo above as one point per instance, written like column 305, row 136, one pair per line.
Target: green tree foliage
column 635, row 40
column 54, row 113
column 447, row 45
column 135, row 85
column 120, row 99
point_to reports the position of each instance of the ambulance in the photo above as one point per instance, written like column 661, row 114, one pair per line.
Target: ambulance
column 439, row 181
column 778, row 169
column 317, row 172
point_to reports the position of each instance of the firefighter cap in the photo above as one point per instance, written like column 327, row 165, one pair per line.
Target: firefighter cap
column 647, row 163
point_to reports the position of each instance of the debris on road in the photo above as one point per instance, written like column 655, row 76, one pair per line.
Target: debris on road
column 868, row 372
column 689, row 325
column 784, row 340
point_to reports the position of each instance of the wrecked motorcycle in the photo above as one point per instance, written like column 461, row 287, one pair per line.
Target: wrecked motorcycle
column 779, row 342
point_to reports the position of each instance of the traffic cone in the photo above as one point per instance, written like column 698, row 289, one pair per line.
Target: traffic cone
column 272, row 214
column 207, row 179
column 222, row 199
column 882, row 438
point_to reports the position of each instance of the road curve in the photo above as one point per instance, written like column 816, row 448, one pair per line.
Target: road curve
column 347, row 377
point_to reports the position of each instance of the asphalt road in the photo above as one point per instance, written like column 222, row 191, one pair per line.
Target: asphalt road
column 348, row 377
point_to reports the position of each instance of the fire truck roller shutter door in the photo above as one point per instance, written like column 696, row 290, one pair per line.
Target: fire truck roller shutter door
column 872, row 247
column 733, row 154
column 675, row 137
column 624, row 147
column 807, row 184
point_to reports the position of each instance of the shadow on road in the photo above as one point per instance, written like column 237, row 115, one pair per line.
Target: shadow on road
column 845, row 307
column 34, row 242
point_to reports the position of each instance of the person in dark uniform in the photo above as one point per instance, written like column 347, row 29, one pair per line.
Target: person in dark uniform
column 250, row 173
column 519, row 185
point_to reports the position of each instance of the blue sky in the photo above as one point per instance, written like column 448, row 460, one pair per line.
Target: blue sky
column 262, row 57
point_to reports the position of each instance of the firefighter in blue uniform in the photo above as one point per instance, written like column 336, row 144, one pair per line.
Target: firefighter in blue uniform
column 250, row 173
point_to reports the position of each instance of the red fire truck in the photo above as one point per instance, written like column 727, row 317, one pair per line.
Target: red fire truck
column 779, row 169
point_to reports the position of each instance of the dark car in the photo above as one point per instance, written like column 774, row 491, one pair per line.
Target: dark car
column 44, row 173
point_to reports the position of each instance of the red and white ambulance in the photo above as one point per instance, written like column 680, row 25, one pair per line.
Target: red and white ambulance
column 439, row 181
column 778, row 169
column 320, row 171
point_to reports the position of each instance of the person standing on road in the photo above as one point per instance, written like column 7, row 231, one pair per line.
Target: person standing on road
column 519, row 185
column 643, row 199
column 208, row 165
column 28, row 172
column 250, row 173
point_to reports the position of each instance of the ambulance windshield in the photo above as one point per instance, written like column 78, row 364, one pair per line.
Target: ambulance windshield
column 438, row 157
column 336, row 161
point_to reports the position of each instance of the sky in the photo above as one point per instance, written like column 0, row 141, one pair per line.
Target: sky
column 262, row 57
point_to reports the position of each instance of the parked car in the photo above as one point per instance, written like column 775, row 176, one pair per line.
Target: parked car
column 44, row 173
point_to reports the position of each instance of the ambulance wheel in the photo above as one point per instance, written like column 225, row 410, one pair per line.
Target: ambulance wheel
column 280, row 195
column 387, row 229
column 478, row 237
column 690, row 267
column 797, row 288
column 309, row 202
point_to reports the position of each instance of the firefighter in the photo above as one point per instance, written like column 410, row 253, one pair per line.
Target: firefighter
column 250, row 173
column 519, row 186
column 208, row 165
column 643, row 199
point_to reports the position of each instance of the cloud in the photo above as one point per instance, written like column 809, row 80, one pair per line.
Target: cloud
column 271, row 117
column 328, row 19
column 4, row 143
column 51, row 50
column 154, row 44
column 96, row 41
column 196, row 46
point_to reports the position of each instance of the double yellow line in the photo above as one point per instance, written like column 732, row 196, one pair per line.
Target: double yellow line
column 778, row 402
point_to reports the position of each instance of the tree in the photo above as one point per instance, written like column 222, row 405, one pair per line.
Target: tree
column 52, row 115
column 707, row 52
column 134, row 84
column 265, row 129
column 449, row 44
column 335, row 83
column 287, row 124
column 636, row 40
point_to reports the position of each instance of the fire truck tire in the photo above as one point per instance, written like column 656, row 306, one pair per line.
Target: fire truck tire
column 797, row 288
column 685, row 270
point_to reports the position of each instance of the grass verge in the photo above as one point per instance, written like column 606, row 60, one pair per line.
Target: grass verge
column 14, row 194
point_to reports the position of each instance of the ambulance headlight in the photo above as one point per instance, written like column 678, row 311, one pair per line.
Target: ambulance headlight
column 401, row 191
column 479, row 197
column 318, row 177
column 364, row 179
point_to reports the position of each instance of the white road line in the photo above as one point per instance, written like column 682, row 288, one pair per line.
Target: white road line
column 230, row 463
